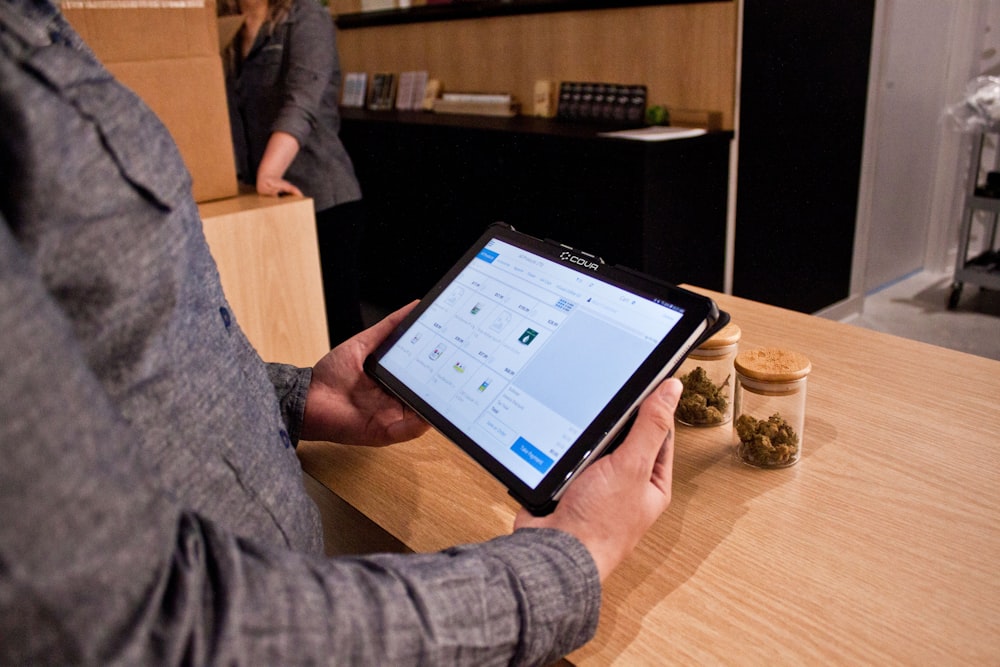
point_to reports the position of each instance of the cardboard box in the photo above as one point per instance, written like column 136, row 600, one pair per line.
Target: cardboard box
column 199, row 122
column 125, row 30
column 167, row 51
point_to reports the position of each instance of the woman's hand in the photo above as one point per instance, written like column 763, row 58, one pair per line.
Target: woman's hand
column 275, row 186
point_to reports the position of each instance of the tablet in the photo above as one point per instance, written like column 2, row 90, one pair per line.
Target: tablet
column 533, row 356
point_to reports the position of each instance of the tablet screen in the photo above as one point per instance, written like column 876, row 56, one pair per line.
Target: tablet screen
column 532, row 356
column 522, row 353
column 528, row 349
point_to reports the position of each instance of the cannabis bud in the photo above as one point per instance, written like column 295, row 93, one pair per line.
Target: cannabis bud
column 702, row 401
column 767, row 443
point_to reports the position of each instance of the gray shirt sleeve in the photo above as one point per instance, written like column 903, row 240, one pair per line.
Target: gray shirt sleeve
column 291, row 384
column 312, row 60
column 151, row 508
column 99, row 566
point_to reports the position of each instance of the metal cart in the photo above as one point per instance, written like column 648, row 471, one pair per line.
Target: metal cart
column 984, row 268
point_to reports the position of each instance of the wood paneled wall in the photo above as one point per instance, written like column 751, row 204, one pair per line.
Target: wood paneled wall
column 685, row 54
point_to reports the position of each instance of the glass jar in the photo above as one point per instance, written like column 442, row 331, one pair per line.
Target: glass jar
column 770, row 406
column 707, row 375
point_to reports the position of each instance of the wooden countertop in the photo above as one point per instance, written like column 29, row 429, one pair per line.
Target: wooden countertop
column 882, row 545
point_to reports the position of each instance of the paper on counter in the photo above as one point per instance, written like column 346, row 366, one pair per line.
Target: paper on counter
column 655, row 133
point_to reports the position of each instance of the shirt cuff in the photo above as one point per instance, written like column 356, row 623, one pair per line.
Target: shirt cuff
column 561, row 591
column 295, row 125
column 291, row 386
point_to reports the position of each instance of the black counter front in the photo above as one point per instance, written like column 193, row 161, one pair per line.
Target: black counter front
column 433, row 182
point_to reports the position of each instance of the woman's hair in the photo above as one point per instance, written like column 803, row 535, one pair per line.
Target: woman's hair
column 227, row 7
column 277, row 10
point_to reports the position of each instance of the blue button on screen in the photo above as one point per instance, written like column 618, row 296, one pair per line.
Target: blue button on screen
column 532, row 455
column 487, row 255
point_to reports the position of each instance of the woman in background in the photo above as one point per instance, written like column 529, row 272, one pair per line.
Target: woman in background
column 283, row 89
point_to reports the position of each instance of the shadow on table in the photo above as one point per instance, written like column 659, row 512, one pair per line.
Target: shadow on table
column 695, row 524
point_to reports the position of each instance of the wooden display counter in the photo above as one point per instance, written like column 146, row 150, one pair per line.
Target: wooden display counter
column 879, row 547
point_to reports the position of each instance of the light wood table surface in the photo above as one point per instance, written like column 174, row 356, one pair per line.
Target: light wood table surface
column 881, row 546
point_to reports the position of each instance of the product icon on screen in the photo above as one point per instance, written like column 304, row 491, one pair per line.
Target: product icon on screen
column 527, row 337
column 502, row 320
column 437, row 351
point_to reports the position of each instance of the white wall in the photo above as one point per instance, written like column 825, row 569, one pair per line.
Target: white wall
column 913, row 177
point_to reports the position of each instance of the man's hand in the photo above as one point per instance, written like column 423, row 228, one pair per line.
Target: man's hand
column 344, row 405
column 612, row 504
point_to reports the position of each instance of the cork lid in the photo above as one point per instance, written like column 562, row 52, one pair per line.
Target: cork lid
column 771, row 364
column 727, row 335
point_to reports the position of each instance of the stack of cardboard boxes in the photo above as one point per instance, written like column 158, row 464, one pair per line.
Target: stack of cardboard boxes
column 167, row 51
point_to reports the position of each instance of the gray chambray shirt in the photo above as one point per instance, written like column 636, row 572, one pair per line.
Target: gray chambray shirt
column 151, row 504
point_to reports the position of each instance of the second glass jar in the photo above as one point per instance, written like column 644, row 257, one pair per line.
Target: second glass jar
column 770, row 406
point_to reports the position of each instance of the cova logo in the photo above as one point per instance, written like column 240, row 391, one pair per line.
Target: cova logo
column 579, row 261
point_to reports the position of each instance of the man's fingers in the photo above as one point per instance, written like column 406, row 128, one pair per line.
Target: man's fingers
column 653, row 424
column 408, row 428
column 378, row 331
column 397, row 316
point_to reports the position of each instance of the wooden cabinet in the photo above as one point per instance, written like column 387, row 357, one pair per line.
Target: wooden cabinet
column 268, row 262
